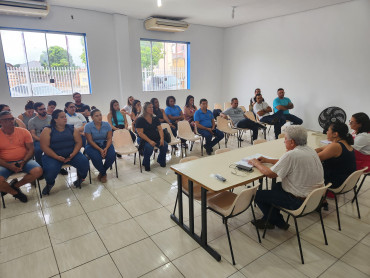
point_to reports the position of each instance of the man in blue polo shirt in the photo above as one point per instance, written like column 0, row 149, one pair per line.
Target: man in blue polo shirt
column 205, row 123
column 284, row 104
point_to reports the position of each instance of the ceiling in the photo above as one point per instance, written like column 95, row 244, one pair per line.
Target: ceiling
column 205, row 12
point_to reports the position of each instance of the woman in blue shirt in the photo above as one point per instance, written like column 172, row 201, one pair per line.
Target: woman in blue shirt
column 61, row 144
column 117, row 118
column 174, row 113
column 99, row 144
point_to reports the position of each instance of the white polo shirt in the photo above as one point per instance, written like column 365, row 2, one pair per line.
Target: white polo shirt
column 300, row 170
column 260, row 106
column 77, row 120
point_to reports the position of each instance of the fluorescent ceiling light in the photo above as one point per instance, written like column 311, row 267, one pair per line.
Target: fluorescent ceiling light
column 159, row 3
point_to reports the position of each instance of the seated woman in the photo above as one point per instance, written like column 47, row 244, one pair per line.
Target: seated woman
column 360, row 123
column 75, row 119
column 150, row 131
column 189, row 110
column 99, row 144
column 117, row 118
column 174, row 113
column 159, row 112
column 61, row 144
column 29, row 114
column 338, row 157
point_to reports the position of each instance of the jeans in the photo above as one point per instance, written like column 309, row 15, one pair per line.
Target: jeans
column 280, row 121
column 294, row 119
column 148, row 150
column 52, row 167
column 30, row 164
column 38, row 152
column 83, row 141
column 277, row 196
column 208, row 136
column 97, row 159
column 247, row 123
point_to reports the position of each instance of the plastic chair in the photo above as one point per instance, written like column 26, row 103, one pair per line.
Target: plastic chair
column 174, row 140
column 243, row 108
column 123, row 145
column 104, row 118
column 18, row 176
column 362, row 181
column 349, row 184
column 197, row 193
column 222, row 151
column 227, row 105
column 228, row 205
column 223, row 125
column 184, row 132
column 129, row 122
column 312, row 203
column 217, row 106
column 240, row 132
column 281, row 135
column 67, row 166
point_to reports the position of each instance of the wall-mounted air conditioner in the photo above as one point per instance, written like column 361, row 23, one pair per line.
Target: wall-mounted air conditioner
column 165, row 25
column 34, row 8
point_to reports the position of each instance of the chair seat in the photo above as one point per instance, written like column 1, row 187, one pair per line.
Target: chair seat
column 228, row 130
column 174, row 142
column 191, row 137
column 222, row 202
column 126, row 149
column 66, row 166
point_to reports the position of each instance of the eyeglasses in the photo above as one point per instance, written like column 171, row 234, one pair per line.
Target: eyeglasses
column 72, row 107
column 41, row 109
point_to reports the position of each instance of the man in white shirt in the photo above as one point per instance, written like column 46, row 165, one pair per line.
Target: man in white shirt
column 300, row 170
column 262, row 110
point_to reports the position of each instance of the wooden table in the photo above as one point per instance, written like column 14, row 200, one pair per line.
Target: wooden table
column 201, row 171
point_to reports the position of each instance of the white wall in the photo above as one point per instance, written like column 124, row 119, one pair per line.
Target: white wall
column 321, row 58
column 113, row 43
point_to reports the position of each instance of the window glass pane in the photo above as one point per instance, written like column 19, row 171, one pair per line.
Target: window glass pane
column 16, row 63
column 164, row 66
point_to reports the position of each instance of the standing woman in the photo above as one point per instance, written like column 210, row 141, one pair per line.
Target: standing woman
column 128, row 107
column 29, row 114
column 99, row 144
column 360, row 123
column 61, row 144
column 189, row 110
column 149, row 129
column 117, row 118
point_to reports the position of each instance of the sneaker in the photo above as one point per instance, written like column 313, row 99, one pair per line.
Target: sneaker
column 77, row 183
column 21, row 197
column 63, row 172
column 103, row 179
column 46, row 190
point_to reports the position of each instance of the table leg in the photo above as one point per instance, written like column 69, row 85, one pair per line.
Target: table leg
column 191, row 207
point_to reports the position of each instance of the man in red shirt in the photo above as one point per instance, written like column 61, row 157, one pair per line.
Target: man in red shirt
column 16, row 151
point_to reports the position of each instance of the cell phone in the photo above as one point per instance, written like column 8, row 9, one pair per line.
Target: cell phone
column 17, row 165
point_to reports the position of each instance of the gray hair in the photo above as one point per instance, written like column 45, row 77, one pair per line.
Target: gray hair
column 298, row 134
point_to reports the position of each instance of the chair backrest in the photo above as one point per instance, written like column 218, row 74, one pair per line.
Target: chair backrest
column 222, row 150
column 121, row 138
column 281, row 135
column 242, row 201
column 183, row 128
column 312, row 201
column 259, row 141
column 250, row 115
column 218, row 106
column 227, row 105
column 351, row 181
column 243, row 108
column 105, row 118
column 129, row 121
column 167, row 126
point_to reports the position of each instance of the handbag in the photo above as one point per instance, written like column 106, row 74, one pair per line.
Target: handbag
column 167, row 135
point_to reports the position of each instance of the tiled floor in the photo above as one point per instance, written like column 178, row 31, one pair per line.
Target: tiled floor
column 123, row 229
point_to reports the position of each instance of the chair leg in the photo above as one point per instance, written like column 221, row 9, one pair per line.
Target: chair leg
column 141, row 169
column 115, row 163
column 254, row 218
column 358, row 208
column 201, row 146
column 191, row 145
column 299, row 239
column 268, row 218
column 38, row 185
column 2, row 198
column 323, row 228
column 336, row 207
column 89, row 173
column 135, row 159
column 287, row 219
column 228, row 237
column 358, row 190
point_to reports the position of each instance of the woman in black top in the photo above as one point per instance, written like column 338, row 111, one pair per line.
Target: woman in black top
column 149, row 129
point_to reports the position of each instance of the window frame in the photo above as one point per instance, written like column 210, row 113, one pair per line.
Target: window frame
column 47, row 32
column 188, row 64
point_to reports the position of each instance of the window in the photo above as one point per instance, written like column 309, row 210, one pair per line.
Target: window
column 164, row 65
column 45, row 63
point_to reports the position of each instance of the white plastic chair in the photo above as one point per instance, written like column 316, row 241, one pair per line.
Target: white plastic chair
column 223, row 125
column 129, row 122
column 243, row 108
column 123, row 144
column 184, row 132
column 227, row 105
column 218, row 106
column 349, row 184
column 312, row 203
column 228, row 204
column 174, row 140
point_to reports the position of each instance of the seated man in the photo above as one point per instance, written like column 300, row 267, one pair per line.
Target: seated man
column 16, row 151
column 262, row 110
column 240, row 120
column 300, row 170
column 253, row 100
column 284, row 104
column 206, row 126
column 36, row 125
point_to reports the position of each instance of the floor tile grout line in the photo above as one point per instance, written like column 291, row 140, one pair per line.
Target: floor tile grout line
column 25, row 255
